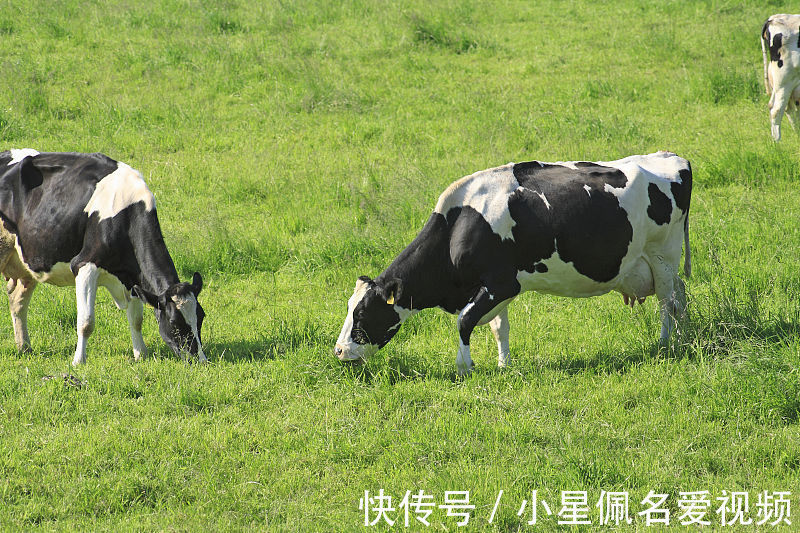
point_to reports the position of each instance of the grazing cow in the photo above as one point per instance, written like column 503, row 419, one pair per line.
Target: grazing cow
column 87, row 220
column 779, row 37
column 571, row 229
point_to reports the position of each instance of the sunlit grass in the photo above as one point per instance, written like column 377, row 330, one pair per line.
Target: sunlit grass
column 295, row 146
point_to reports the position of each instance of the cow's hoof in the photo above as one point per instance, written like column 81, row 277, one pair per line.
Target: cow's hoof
column 25, row 349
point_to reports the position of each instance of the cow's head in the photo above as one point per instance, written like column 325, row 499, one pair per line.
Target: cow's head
column 372, row 319
column 179, row 315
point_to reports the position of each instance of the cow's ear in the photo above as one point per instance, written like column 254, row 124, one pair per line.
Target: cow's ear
column 197, row 283
column 392, row 291
column 29, row 175
column 145, row 296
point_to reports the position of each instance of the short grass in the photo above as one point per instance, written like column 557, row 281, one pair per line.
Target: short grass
column 293, row 146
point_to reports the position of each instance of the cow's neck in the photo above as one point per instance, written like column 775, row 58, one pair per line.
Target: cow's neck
column 423, row 268
column 156, row 269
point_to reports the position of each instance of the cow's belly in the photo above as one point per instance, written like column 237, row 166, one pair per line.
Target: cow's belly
column 561, row 279
column 13, row 266
column 60, row 275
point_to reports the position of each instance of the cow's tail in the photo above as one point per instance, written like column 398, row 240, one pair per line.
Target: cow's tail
column 764, row 45
column 687, row 257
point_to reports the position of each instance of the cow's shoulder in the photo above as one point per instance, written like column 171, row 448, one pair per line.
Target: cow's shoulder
column 480, row 185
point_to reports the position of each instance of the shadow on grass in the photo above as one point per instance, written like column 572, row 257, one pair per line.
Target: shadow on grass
column 711, row 336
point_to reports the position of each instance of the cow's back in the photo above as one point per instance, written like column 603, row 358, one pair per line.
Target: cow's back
column 571, row 228
column 42, row 202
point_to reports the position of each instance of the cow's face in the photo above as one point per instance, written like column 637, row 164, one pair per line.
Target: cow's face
column 372, row 320
column 179, row 316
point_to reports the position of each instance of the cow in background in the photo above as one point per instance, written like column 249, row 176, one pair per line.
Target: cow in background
column 781, row 51
column 87, row 220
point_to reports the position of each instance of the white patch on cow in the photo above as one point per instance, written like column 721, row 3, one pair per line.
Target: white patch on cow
column 347, row 348
column 544, row 199
column 463, row 359
column 18, row 154
column 561, row 279
column 60, row 275
column 663, row 164
column 568, row 164
column 404, row 313
column 466, row 309
column 120, row 189
column 487, row 193
column 187, row 305
column 588, row 190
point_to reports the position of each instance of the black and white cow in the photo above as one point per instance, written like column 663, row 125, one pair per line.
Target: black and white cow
column 781, row 51
column 87, row 220
column 574, row 229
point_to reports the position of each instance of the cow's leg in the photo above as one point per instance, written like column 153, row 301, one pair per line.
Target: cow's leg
column 666, row 288
column 135, row 313
column 133, row 307
column 500, row 330
column 476, row 312
column 777, row 106
column 793, row 108
column 85, row 293
column 20, row 292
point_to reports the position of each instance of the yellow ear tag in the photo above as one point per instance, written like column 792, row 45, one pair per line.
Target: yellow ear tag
column 390, row 301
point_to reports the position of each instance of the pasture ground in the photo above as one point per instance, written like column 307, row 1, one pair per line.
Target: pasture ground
column 295, row 146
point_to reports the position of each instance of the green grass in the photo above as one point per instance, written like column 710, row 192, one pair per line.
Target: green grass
column 293, row 146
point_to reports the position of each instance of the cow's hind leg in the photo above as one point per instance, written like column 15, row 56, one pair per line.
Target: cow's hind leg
column 86, row 294
column 20, row 292
column 793, row 109
column 671, row 295
column 777, row 107
column 478, row 311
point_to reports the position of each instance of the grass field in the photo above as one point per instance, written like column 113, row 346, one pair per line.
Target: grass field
column 293, row 146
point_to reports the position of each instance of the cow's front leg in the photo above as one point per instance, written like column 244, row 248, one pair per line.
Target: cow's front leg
column 135, row 313
column 476, row 312
column 86, row 294
column 19, row 296
column 500, row 329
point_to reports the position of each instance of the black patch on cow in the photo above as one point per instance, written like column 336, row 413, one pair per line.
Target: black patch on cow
column 775, row 49
column 478, row 255
column 660, row 208
column 682, row 192
column 30, row 177
column 591, row 231
column 374, row 320
column 426, row 268
column 540, row 267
